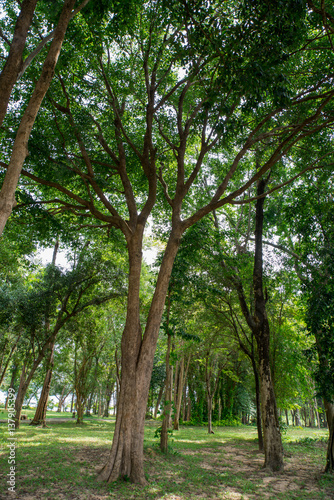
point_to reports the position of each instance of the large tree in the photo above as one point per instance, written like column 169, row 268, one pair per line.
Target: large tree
column 134, row 128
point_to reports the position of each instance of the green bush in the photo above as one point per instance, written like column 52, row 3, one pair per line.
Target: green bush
column 228, row 422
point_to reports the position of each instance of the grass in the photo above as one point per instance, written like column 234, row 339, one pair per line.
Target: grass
column 61, row 462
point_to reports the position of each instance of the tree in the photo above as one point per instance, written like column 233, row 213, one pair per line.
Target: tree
column 182, row 110
column 54, row 298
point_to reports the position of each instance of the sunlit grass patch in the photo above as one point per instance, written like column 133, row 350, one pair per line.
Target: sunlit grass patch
column 62, row 460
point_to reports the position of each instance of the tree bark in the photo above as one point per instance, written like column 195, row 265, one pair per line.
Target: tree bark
column 287, row 417
column 14, row 61
column 273, row 449
column 159, row 400
column 20, row 147
column 126, row 457
column 182, row 379
column 258, row 405
column 4, row 369
column 20, row 397
column 329, row 408
column 40, row 414
column 168, row 400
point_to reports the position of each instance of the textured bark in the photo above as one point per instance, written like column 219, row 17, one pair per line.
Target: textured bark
column 329, row 407
column 258, row 406
column 168, row 400
column 20, row 397
column 259, row 325
column 316, row 412
column 20, row 147
column 9, row 357
column 182, row 379
column 126, row 457
column 13, row 63
column 287, row 417
column 40, row 414
column 273, row 449
column 210, row 390
column 157, row 406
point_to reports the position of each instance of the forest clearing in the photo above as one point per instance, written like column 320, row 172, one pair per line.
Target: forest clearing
column 61, row 462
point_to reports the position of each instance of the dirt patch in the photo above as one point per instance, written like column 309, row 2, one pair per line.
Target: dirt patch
column 228, row 472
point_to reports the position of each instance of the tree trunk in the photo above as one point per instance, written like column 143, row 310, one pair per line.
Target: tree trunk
column 273, row 449
column 287, row 417
column 329, row 408
column 258, row 406
column 40, row 414
column 316, row 412
column 157, row 406
column 14, row 61
column 80, row 409
column 126, row 457
column 4, row 369
column 182, row 379
column 20, row 146
column 20, row 397
column 209, row 402
column 168, row 398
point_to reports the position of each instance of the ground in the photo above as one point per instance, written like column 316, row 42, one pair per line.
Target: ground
column 61, row 463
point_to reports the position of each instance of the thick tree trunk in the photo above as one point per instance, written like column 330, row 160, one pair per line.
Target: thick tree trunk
column 273, row 449
column 329, row 408
column 126, row 457
column 157, row 406
column 20, row 146
column 40, row 414
column 272, row 441
column 12, row 381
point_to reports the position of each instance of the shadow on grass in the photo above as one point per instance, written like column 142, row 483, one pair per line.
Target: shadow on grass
column 61, row 462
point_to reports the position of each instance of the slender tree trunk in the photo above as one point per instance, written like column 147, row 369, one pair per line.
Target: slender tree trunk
column 157, row 406
column 287, row 417
column 316, row 412
column 209, row 399
column 168, row 400
column 258, row 406
column 14, row 61
column 40, row 414
column 329, row 408
column 61, row 400
column 20, row 397
column 182, row 379
column 4, row 369
column 20, row 146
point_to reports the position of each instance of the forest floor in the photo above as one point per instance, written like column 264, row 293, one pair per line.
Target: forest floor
column 61, row 462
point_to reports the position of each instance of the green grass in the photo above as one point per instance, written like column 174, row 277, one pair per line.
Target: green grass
column 61, row 462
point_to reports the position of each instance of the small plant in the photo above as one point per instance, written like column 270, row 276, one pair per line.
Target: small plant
column 311, row 440
column 157, row 433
